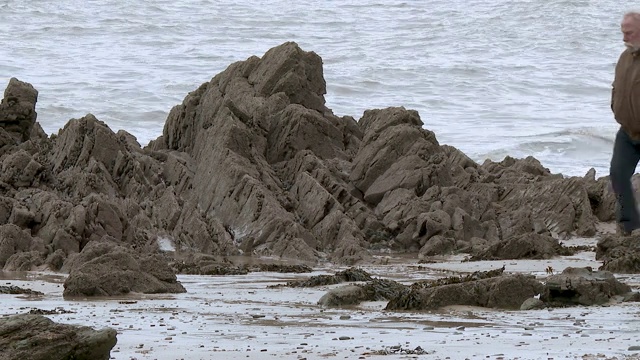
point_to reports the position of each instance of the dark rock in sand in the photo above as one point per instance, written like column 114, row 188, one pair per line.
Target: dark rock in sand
column 502, row 292
column 35, row 337
column 457, row 279
column 532, row 304
column 342, row 296
column 619, row 254
column 15, row 290
column 348, row 275
column 282, row 268
column 374, row 290
column 582, row 286
column 104, row 268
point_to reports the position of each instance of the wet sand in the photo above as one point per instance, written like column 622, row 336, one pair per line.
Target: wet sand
column 239, row 317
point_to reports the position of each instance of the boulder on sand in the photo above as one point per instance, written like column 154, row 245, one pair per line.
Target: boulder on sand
column 36, row 337
column 104, row 268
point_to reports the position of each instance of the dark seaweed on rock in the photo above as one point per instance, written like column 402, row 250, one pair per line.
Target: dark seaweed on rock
column 476, row 275
column 382, row 289
column 15, row 290
column 282, row 268
column 348, row 275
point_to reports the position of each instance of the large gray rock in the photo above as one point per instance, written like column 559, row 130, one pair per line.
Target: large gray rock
column 35, row 337
column 104, row 268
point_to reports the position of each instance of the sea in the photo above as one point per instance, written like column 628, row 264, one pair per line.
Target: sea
column 493, row 78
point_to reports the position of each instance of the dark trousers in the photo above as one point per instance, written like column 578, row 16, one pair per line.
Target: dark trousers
column 626, row 154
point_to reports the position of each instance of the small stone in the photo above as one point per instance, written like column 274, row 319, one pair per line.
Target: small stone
column 345, row 317
column 344, row 338
column 634, row 348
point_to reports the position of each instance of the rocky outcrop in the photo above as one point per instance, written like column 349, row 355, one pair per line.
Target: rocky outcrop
column 38, row 338
column 104, row 268
column 252, row 162
column 269, row 159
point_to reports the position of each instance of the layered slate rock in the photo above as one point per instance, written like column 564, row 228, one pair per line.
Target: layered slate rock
column 36, row 337
column 104, row 268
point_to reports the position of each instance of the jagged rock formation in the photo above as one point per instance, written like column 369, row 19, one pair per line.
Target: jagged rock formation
column 253, row 162
column 35, row 337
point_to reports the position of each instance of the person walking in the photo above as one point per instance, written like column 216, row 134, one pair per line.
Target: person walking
column 625, row 104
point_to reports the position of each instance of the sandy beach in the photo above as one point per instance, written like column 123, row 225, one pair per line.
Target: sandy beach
column 240, row 317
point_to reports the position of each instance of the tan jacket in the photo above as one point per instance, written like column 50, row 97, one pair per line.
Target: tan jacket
column 625, row 94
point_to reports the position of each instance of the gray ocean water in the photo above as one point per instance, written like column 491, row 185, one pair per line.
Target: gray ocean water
column 491, row 77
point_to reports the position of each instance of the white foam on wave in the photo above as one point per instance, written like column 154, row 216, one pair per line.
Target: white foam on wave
column 166, row 244
column 503, row 79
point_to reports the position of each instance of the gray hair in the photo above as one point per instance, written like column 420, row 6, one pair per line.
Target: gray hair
column 633, row 14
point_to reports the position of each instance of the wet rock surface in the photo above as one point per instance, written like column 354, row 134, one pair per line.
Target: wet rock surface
column 39, row 338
